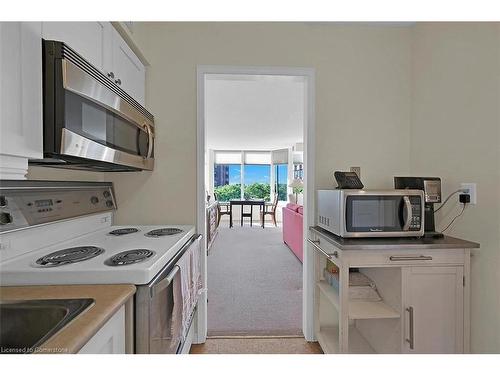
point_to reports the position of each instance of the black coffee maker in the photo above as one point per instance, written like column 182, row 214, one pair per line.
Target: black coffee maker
column 432, row 194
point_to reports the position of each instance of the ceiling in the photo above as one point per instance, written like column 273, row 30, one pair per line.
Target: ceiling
column 253, row 112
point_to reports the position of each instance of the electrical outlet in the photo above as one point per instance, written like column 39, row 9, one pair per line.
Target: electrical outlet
column 356, row 170
column 470, row 188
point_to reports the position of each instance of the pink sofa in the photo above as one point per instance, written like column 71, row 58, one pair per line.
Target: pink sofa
column 293, row 229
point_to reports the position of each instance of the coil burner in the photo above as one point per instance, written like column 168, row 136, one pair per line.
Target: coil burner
column 129, row 257
column 163, row 232
column 70, row 255
column 123, row 231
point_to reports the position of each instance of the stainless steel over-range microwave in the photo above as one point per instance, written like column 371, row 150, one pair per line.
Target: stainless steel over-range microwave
column 89, row 122
column 372, row 213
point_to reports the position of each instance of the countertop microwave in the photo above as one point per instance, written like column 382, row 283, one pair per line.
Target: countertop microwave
column 371, row 213
column 89, row 122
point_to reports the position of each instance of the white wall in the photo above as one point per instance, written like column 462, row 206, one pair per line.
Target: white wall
column 362, row 87
column 455, row 135
column 59, row 174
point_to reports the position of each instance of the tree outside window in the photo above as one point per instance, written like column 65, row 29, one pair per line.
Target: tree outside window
column 227, row 181
column 257, row 181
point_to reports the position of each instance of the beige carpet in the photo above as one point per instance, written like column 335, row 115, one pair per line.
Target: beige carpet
column 254, row 284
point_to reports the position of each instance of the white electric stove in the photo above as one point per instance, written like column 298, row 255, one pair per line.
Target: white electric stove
column 129, row 255
column 61, row 233
column 58, row 233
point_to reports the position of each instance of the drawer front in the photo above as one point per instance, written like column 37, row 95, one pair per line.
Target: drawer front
column 403, row 257
column 325, row 245
column 392, row 257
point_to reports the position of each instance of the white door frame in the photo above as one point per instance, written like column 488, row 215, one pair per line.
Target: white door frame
column 309, row 180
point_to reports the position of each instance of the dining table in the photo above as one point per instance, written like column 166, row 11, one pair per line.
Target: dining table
column 246, row 202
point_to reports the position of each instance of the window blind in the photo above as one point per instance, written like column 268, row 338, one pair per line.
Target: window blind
column 257, row 158
column 280, row 156
column 227, row 157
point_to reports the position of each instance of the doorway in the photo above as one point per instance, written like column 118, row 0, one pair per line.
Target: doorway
column 307, row 76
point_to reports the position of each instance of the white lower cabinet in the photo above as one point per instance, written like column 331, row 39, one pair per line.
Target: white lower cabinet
column 434, row 306
column 110, row 339
column 424, row 306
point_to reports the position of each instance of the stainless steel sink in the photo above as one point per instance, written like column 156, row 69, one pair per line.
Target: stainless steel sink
column 25, row 325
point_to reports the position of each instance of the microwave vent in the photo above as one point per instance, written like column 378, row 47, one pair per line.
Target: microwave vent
column 324, row 220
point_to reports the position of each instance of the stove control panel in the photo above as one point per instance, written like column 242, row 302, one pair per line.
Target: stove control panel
column 22, row 208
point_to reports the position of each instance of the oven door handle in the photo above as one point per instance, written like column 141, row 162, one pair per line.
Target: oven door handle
column 165, row 282
column 161, row 282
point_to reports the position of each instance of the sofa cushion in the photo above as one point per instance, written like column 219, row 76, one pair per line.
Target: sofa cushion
column 292, row 206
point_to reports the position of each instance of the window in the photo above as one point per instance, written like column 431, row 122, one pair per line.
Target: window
column 257, row 181
column 227, row 181
column 281, row 181
column 247, row 174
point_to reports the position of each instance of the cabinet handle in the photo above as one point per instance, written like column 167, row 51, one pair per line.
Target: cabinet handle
column 395, row 258
column 111, row 75
column 118, row 81
column 315, row 243
column 411, row 339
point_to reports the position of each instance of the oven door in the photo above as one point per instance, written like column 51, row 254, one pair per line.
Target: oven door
column 382, row 215
column 158, row 319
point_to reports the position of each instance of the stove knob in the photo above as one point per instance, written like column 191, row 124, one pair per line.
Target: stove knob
column 106, row 194
column 5, row 218
column 3, row 201
column 109, row 204
column 94, row 200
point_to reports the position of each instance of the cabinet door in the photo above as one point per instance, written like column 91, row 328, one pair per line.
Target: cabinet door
column 434, row 309
column 128, row 70
column 92, row 40
column 20, row 92
column 110, row 339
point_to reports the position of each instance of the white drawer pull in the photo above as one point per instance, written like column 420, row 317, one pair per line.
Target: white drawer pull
column 395, row 258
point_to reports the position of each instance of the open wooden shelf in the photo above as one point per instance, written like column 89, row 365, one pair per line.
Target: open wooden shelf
column 359, row 309
column 328, row 338
column 371, row 310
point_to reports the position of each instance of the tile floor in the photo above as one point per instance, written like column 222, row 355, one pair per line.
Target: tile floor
column 264, row 345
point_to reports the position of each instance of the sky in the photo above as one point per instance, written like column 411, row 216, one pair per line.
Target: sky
column 256, row 173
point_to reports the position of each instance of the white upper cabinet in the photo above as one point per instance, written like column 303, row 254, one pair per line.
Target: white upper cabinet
column 129, row 72
column 92, row 40
column 21, row 112
column 20, row 97
column 100, row 44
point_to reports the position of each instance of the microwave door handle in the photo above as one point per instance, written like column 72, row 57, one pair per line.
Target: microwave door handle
column 150, row 140
column 409, row 213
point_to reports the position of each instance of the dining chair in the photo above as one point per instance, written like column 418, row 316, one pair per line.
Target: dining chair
column 223, row 208
column 270, row 209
